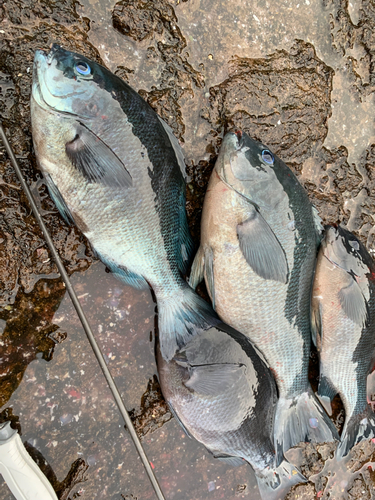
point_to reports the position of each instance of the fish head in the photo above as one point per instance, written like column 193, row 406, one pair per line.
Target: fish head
column 247, row 166
column 67, row 83
column 345, row 251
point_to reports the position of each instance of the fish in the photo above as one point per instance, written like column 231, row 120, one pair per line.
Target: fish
column 343, row 326
column 115, row 170
column 223, row 393
column 259, row 239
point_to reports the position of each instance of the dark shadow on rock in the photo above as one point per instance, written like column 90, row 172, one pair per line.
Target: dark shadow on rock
column 28, row 332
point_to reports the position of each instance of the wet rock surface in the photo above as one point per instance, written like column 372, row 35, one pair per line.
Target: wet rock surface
column 297, row 76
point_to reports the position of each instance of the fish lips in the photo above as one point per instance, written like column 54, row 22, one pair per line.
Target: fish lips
column 42, row 60
column 39, row 61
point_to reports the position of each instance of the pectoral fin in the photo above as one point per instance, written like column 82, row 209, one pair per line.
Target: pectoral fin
column 212, row 380
column 95, row 160
column 261, row 249
column 354, row 303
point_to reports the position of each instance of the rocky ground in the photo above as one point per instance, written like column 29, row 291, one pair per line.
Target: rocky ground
column 297, row 75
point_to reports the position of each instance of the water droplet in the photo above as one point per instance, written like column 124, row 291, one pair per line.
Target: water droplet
column 313, row 423
column 354, row 244
column 211, row 486
column 66, row 418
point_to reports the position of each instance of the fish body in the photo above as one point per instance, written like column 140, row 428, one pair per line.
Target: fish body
column 259, row 237
column 343, row 320
column 114, row 169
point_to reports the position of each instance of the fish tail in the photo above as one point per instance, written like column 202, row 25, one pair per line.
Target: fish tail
column 301, row 419
column 182, row 315
column 274, row 484
column 359, row 427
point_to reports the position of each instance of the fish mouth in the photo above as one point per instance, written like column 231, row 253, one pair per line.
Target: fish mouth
column 40, row 59
column 238, row 137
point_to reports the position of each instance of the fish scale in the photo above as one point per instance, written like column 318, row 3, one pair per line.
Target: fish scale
column 264, row 293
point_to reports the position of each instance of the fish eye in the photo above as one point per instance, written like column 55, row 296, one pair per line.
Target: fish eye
column 267, row 156
column 83, row 68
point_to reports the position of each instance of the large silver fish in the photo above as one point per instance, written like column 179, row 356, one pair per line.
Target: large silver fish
column 113, row 168
column 259, row 238
column 343, row 318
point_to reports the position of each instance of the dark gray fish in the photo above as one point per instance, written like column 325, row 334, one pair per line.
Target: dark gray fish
column 223, row 393
column 343, row 319
column 259, row 238
column 114, row 169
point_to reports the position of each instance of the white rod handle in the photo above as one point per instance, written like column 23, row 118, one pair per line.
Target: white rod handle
column 24, row 478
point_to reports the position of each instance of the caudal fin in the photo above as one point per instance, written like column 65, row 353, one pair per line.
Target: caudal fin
column 274, row 484
column 182, row 316
column 301, row 419
column 358, row 428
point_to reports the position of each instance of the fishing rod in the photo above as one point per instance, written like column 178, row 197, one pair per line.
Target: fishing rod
column 83, row 319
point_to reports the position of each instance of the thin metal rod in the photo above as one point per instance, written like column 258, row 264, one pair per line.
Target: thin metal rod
column 82, row 317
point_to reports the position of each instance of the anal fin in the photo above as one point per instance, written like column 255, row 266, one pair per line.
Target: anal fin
column 185, row 246
column 125, row 275
column 176, row 147
column 326, row 388
column 129, row 278
column 316, row 325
